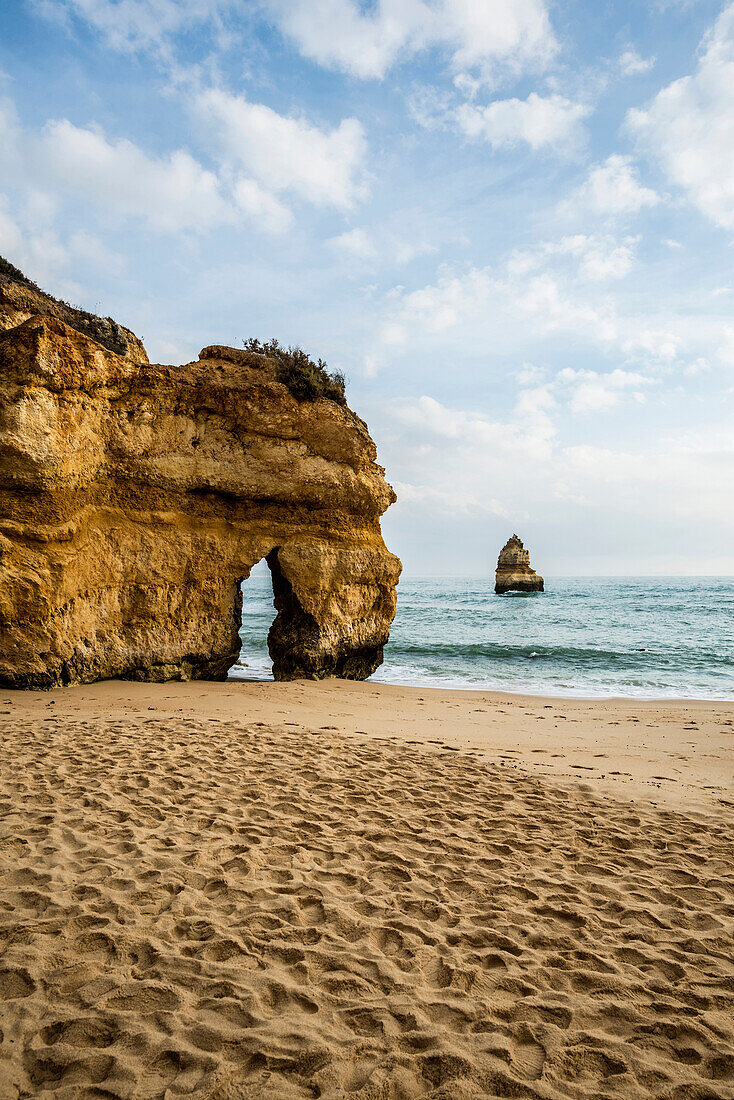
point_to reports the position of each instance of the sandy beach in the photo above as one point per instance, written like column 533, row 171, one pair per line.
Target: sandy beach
column 335, row 889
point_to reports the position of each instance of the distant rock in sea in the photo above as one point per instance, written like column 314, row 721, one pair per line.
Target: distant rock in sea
column 513, row 569
column 135, row 498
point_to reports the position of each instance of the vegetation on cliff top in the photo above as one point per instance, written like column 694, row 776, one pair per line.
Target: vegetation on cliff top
column 305, row 378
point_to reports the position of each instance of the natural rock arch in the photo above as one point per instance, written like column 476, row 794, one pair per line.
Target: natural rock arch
column 135, row 497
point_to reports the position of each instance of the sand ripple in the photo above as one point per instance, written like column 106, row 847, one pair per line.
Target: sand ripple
column 218, row 911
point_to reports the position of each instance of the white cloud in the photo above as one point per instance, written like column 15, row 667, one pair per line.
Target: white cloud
column 520, row 307
column 489, row 30
column 324, row 167
column 170, row 193
column 137, row 24
column 438, row 440
column 597, row 258
column 356, row 243
column 174, row 192
column 686, row 478
column 448, row 302
column 453, row 500
column 542, row 297
column 431, row 107
column 340, row 34
column 265, row 209
column 10, row 235
column 689, row 126
column 39, row 255
column 601, row 262
column 612, row 189
column 584, row 390
column 592, row 391
column 88, row 248
column 529, row 373
column 30, row 239
column 631, row 64
column 488, row 303
column 538, row 121
column 654, row 346
column 546, row 301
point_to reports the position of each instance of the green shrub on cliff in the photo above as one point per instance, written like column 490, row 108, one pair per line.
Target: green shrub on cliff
column 305, row 378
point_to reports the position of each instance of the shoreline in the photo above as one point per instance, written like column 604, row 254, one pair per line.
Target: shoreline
column 544, row 695
column 539, row 696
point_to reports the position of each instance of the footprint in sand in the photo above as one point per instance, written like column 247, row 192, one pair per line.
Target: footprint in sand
column 15, row 983
column 528, row 1055
column 85, row 1031
column 142, row 997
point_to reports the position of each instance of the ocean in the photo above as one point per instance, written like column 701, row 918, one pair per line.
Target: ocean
column 643, row 637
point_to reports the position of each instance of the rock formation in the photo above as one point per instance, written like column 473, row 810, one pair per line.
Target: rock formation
column 21, row 299
column 513, row 569
column 135, row 498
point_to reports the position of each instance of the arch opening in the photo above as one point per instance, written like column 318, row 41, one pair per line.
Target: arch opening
column 320, row 630
column 254, row 616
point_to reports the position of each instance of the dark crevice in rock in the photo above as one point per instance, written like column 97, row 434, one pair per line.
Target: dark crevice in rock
column 293, row 639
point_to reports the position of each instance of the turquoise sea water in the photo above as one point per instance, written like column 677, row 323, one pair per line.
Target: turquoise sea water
column 648, row 637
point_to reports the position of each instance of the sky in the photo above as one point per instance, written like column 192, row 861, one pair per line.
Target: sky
column 508, row 222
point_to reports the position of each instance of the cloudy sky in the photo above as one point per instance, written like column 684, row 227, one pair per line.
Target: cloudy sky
column 509, row 222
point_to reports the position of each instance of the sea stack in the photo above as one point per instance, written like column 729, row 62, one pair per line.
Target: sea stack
column 513, row 569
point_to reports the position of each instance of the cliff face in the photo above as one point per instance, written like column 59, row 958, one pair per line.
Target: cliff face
column 513, row 569
column 135, row 498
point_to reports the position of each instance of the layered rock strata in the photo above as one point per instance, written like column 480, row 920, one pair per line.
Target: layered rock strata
column 513, row 569
column 135, row 498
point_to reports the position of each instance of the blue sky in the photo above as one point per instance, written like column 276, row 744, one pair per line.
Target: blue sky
column 509, row 222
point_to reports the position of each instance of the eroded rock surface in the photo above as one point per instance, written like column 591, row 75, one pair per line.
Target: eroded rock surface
column 513, row 569
column 135, row 498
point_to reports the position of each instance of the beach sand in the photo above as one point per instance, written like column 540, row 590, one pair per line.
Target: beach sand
column 354, row 890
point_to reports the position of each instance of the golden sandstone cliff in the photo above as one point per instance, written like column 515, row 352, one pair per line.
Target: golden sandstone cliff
column 513, row 569
column 134, row 499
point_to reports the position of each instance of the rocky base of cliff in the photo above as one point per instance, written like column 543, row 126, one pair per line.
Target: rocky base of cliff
column 518, row 583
